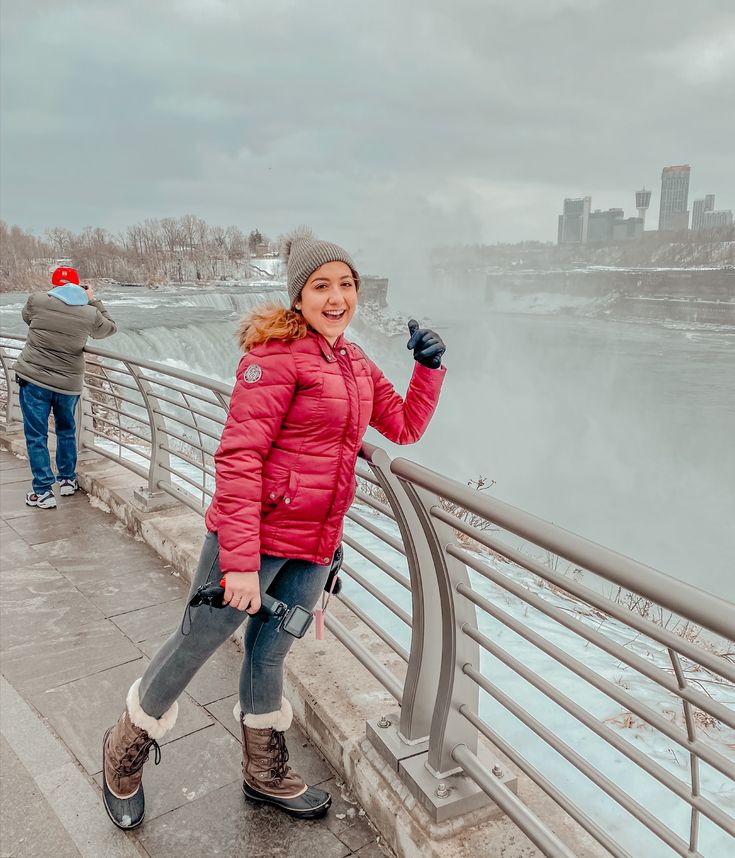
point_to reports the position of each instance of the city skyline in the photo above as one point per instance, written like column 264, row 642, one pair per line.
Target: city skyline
column 389, row 129
column 580, row 223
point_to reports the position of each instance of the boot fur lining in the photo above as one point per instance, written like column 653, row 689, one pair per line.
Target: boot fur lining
column 279, row 720
column 156, row 728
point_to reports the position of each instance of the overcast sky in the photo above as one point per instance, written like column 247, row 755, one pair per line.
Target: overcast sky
column 464, row 120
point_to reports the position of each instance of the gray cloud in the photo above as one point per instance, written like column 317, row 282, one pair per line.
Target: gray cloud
column 464, row 120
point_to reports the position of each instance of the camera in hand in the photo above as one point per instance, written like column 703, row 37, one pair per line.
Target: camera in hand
column 294, row 621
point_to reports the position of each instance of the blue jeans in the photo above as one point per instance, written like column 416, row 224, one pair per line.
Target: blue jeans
column 295, row 582
column 37, row 403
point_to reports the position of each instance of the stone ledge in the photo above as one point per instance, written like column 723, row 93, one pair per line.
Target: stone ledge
column 332, row 697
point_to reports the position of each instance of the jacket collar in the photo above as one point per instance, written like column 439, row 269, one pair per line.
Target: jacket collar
column 326, row 349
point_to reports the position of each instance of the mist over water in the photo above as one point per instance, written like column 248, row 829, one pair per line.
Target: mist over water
column 619, row 432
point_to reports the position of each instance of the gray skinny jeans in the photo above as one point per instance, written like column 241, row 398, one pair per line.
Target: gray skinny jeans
column 295, row 582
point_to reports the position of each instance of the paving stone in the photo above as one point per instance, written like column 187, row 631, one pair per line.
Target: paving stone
column 303, row 756
column 344, row 819
column 56, row 524
column 9, row 462
column 36, row 831
column 218, row 678
column 42, row 608
column 241, row 828
column 14, row 475
column 127, row 590
column 48, row 662
column 81, row 711
column 154, row 623
column 374, row 850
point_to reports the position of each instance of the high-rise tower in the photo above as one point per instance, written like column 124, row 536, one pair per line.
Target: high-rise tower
column 574, row 220
column 642, row 202
column 673, row 214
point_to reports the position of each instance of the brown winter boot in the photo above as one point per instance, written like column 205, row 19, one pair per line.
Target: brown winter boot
column 125, row 749
column 266, row 776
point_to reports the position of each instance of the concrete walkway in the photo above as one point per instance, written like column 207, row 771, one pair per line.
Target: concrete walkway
column 83, row 606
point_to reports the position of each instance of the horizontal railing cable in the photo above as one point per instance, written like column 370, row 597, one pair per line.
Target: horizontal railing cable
column 549, row 844
column 394, row 543
column 376, row 593
column 132, row 466
column 365, row 498
column 365, row 657
column 213, row 417
column 105, row 407
column 198, row 486
column 706, row 610
column 698, row 655
column 619, row 695
column 600, row 729
column 162, row 382
column 117, row 427
column 115, row 394
column 171, row 433
column 182, row 422
column 374, row 626
column 655, row 674
column 179, row 454
column 554, row 793
column 377, row 561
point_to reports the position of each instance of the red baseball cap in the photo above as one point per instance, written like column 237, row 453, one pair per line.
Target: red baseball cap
column 65, row 275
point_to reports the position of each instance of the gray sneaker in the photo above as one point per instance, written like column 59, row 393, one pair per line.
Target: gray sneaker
column 45, row 500
column 67, row 487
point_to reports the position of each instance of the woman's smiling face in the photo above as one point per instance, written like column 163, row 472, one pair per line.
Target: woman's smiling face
column 329, row 299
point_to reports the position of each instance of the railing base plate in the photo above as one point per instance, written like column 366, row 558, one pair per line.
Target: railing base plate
column 152, row 501
column 388, row 742
column 462, row 793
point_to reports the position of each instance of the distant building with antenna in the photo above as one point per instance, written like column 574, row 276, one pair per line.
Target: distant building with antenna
column 642, row 202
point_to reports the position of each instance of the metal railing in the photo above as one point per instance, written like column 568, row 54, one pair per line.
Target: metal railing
column 590, row 679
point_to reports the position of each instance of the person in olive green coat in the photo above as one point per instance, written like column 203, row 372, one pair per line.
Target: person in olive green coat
column 50, row 375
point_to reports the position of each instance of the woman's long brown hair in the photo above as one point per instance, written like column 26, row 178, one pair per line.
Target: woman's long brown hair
column 270, row 322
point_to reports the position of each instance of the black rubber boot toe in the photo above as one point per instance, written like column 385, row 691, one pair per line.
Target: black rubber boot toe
column 312, row 804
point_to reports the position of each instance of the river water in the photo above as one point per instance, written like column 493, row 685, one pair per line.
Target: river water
column 620, row 432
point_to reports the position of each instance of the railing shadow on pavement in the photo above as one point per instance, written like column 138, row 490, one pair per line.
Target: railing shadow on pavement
column 525, row 646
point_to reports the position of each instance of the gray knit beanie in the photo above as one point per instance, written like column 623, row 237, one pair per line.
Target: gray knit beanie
column 304, row 254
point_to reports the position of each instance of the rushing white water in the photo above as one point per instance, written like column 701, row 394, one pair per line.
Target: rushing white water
column 620, row 432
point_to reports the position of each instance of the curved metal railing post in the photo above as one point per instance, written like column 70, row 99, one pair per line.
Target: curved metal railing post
column 421, row 682
column 153, row 498
column 12, row 417
column 448, row 727
column 436, row 779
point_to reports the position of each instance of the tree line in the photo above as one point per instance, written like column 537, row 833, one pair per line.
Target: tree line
column 183, row 249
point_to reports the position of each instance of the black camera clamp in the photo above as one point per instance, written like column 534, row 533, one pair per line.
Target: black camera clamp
column 293, row 621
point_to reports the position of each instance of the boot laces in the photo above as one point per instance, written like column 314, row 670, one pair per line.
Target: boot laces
column 135, row 757
column 277, row 744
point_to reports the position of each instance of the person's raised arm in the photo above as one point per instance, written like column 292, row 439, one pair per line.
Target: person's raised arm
column 404, row 421
column 104, row 324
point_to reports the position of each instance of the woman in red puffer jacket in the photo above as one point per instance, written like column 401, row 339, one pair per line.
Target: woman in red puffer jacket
column 285, row 477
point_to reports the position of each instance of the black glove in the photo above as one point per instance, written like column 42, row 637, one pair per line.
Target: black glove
column 427, row 346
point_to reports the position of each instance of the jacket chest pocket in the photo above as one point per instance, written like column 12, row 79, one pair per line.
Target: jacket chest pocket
column 279, row 491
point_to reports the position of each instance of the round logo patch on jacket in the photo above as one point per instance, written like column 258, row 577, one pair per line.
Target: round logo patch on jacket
column 252, row 374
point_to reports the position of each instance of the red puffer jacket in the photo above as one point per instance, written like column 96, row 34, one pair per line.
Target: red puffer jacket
column 285, row 464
